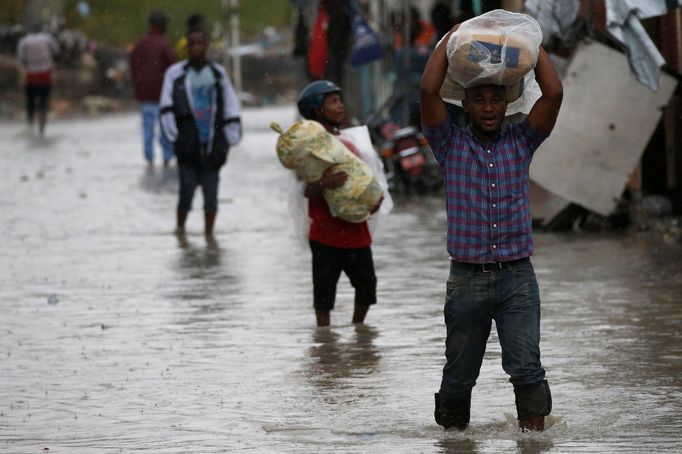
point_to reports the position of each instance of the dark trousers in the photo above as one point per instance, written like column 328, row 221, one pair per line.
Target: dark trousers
column 195, row 175
column 475, row 298
column 329, row 262
column 37, row 96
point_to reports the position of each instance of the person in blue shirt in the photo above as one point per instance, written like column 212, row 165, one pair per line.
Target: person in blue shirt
column 200, row 116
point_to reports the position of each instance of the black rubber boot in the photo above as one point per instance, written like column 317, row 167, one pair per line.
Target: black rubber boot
column 453, row 414
column 533, row 400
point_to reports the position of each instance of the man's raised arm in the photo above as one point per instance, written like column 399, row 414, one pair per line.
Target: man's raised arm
column 432, row 108
column 544, row 113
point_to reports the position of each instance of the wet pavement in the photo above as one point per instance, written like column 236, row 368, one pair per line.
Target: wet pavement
column 118, row 336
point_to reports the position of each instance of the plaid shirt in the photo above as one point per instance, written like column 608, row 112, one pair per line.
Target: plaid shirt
column 487, row 189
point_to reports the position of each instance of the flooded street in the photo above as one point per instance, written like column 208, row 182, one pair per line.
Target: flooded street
column 118, row 336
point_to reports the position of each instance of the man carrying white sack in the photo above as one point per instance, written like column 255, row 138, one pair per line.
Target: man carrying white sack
column 336, row 245
column 486, row 170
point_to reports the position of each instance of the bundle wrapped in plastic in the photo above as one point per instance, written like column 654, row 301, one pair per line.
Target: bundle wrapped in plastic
column 498, row 47
column 308, row 149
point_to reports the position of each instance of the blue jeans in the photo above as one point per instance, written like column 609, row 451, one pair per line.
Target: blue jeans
column 195, row 175
column 474, row 299
column 150, row 120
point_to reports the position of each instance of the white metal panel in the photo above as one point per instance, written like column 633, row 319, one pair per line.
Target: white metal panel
column 544, row 205
column 606, row 121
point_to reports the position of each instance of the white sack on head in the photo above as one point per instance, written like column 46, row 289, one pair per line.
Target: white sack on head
column 523, row 93
column 500, row 48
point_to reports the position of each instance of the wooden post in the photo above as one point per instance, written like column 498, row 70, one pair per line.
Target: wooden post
column 407, row 63
column 234, row 41
column 672, row 140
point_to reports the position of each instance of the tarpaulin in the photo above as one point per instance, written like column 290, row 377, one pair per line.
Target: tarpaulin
column 554, row 17
column 623, row 22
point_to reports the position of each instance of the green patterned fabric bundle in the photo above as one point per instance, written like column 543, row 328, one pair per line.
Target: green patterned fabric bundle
column 308, row 149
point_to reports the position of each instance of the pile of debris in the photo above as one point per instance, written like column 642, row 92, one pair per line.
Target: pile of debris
column 588, row 172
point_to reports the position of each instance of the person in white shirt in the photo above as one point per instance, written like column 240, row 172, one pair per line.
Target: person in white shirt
column 36, row 52
column 200, row 116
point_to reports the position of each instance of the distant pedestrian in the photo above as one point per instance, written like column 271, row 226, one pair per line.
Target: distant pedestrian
column 422, row 33
column 194, row 21
column 200, row 116
column 152, row 55
column 442, row 18
column 336, row 245
column 330, row 42
column 36, row 52
column 486, row 171
column 339, row 39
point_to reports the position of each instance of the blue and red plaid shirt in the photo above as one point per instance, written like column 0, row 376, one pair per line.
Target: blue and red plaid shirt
column 487, row 188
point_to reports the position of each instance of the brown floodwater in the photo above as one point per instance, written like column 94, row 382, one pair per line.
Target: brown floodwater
column 118, row 336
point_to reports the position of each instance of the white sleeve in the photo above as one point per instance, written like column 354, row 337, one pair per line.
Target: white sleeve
column 167, row 117
column 232, row 111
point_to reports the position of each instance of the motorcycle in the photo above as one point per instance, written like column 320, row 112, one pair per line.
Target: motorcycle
column 406, row 155
column 409, row 163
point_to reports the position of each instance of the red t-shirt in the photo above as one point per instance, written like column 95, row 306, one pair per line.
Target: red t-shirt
column 333, row 231
column 150, row 59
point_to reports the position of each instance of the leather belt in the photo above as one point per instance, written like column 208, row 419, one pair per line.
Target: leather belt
column 492, row 267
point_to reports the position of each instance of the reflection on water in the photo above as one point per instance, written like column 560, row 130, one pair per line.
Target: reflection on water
column 457, row 445
column 172, row 343
column 200, row 266
column 204, row 281
column 197, row 260
column 157, row 180
column 334, row 359
column 534, row 445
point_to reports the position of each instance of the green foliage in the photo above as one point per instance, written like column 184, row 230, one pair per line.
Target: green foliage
column 11, row 11
column 121, row 22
